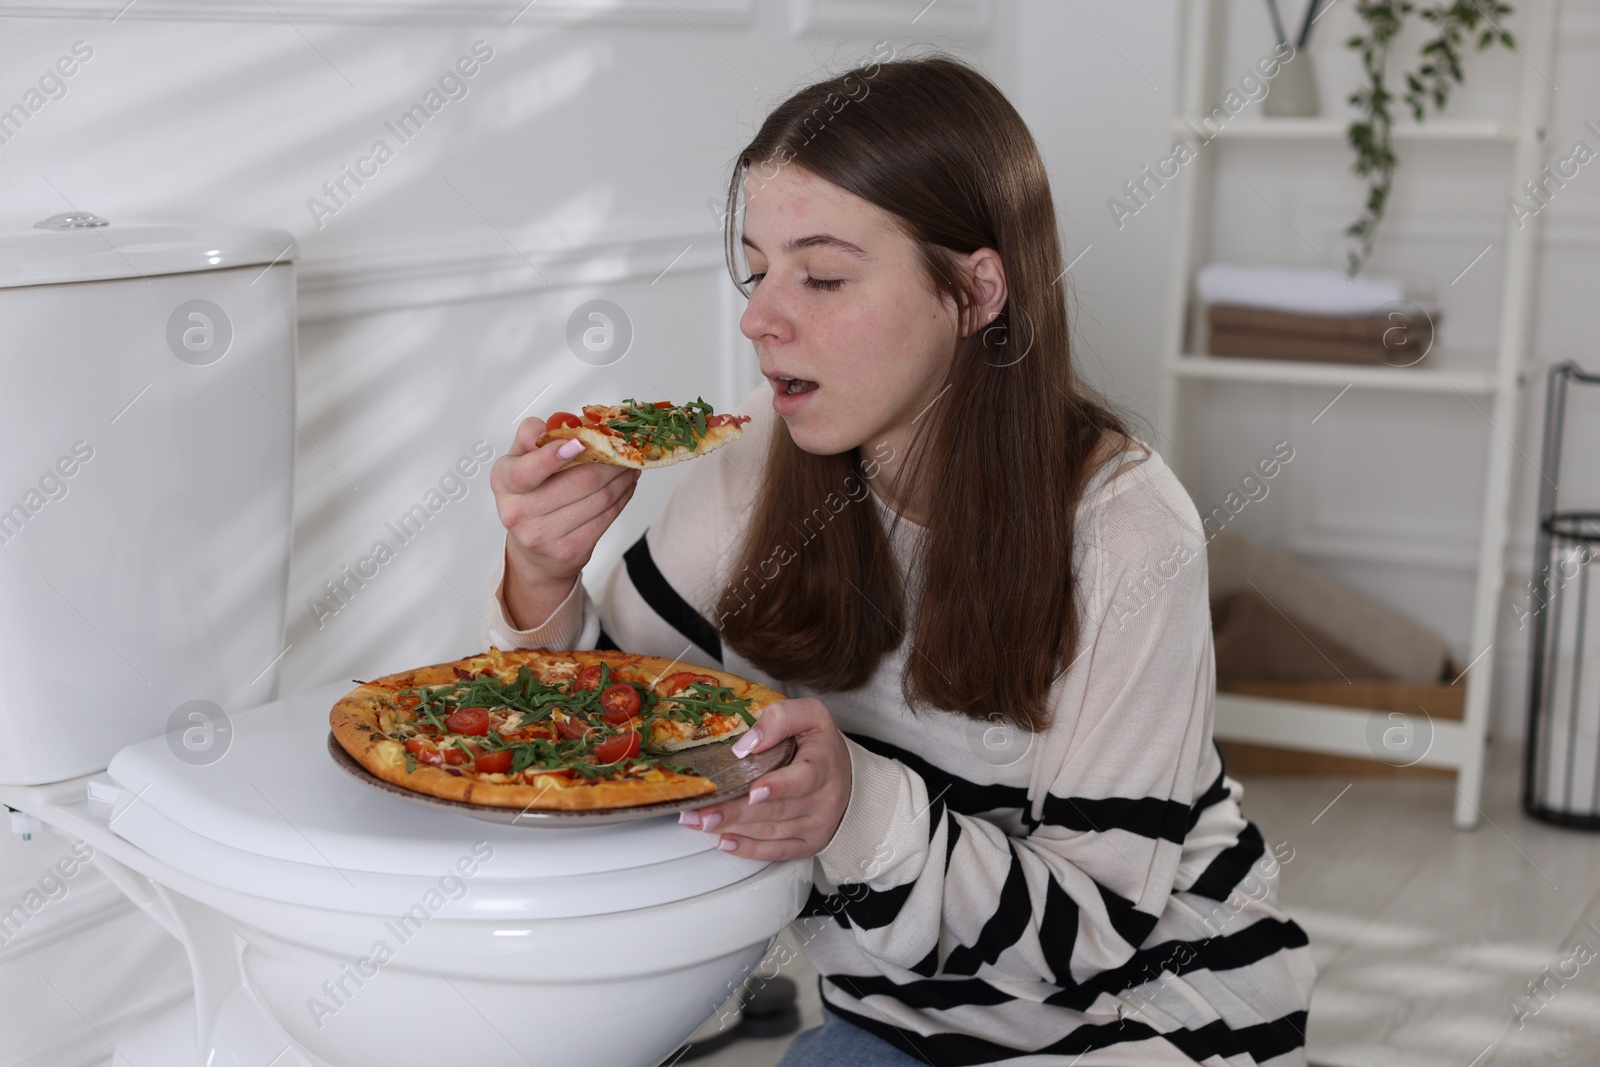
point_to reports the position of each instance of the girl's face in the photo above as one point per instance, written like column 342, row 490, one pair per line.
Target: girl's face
column 850, row 334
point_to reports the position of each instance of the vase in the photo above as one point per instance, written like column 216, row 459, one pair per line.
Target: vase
column 1293, row 93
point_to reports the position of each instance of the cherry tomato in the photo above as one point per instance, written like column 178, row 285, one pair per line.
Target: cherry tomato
column 424, row 751
column 493, row 762
column 559, row 419
column 621, row 702
column 612, row 749
column 683, row 680
column 663, row 403
column 456, row 757
column 588, row 677
column 474, row 722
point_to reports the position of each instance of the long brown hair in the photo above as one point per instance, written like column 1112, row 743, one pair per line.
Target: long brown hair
column 815, row 596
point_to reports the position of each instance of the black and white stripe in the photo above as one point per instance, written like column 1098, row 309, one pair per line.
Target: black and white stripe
column 654, row 589
column 940, row 985
column 1100, row 901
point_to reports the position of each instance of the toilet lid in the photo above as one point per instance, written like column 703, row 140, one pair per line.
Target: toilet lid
column 273, row 816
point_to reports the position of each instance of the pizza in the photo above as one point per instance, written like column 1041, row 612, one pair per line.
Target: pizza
column 543, row 730
column 631, row 434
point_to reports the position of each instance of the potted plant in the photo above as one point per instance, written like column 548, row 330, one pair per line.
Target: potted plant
column 1428, row 84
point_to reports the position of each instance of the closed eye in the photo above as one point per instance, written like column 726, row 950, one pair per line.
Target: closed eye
column 827, row 285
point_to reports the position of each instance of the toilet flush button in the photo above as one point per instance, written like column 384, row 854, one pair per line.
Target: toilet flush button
column 71, row 220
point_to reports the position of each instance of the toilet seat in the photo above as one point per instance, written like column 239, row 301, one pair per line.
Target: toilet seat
column 275, row 818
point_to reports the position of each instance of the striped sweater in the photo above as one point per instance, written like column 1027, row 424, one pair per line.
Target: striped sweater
column 1086, row 895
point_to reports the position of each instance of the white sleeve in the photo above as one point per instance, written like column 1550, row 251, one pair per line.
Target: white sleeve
column 573, row 624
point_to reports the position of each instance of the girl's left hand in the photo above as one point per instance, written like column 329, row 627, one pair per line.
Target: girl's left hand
column 792, row 812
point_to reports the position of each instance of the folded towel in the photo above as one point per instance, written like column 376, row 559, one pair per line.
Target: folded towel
column 1314, row 290
column 1293, row 347
column 1394, row 338
column 1232, row 317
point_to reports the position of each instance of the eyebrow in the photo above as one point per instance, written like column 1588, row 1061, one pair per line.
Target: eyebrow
column 817, row 240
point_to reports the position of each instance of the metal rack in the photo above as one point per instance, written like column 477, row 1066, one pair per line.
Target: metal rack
column 1317, row 727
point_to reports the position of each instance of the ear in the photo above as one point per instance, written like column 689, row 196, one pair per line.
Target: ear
column 988, row 273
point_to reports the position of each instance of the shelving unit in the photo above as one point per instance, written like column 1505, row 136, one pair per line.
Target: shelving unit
column 1298, row 372
column 1332, row 129
column 1495, row 376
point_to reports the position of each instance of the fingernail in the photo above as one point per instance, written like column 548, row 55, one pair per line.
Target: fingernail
column 759, row 793
column 689, row 818
column 742, row 747
column 711, row 822
column 568, row 449
column 728, row 844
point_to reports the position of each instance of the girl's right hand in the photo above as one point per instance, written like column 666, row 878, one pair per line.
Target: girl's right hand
column 552, row 518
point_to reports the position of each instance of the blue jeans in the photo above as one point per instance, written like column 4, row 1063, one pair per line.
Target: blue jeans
column 836, row 1043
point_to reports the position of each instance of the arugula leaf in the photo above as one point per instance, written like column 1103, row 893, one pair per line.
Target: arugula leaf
column 704, row 698
column 522, row 757
column 665, row 428
column 536, row 700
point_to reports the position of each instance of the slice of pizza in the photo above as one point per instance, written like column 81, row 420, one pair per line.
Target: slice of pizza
column 694, row 708
column 644, row 436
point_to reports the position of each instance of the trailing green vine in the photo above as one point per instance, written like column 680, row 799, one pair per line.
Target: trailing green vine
column 1430, row 83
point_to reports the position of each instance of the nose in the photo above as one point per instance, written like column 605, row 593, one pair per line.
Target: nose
column 765, row 318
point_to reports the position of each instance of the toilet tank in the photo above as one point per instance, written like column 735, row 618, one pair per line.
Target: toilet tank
column 147, row 420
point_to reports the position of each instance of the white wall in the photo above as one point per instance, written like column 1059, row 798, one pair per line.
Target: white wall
column 579, row 165
column 1096, row 83
column 434, row 303
column 1385, row 491
column 435, row 299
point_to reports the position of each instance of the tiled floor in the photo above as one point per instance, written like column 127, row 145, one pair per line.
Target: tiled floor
column 1425, row 937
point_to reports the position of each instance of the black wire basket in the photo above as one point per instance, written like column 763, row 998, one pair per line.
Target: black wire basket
column 1561, row 773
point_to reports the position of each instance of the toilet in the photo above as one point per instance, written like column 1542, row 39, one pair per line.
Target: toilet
column 147, row 392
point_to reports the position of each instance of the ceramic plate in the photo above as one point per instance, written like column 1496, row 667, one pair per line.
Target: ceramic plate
column 731, row 774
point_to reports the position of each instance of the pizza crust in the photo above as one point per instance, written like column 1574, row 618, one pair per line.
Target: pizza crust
column 600, row 447
column 356, row 721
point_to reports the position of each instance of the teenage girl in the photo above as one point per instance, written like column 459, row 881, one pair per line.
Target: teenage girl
column 985, row 598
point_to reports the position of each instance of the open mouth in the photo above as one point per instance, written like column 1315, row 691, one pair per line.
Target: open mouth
column 793, row 386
